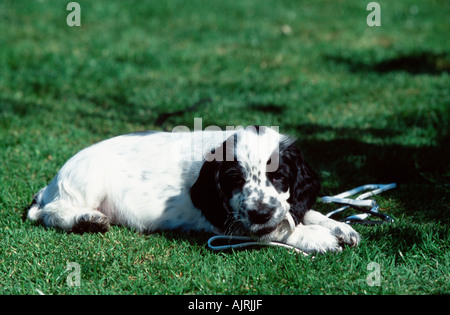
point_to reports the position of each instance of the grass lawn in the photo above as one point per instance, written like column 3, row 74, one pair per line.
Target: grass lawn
column 368, row 105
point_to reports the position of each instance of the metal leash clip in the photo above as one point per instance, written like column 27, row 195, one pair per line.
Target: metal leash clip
column 359, row 203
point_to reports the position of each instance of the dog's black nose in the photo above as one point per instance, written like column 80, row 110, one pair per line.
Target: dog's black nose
column 260, row 216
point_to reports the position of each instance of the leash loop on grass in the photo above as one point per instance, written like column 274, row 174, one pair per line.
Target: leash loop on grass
column 226, row 242
column 360, row 202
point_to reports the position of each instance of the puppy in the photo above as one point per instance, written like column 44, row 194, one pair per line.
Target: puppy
column 237, row 182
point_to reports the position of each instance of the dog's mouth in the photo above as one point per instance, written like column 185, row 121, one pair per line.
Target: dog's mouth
column 260, row 231
column 264, row 231
column 287, row 223
column 256, row 231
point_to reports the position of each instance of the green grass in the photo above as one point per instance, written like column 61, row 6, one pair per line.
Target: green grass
column 368, row 105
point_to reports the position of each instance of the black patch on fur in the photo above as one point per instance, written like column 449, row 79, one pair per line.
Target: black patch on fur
column 88, row 224
column 259, row 130
column 215, row 184
column 296, row 175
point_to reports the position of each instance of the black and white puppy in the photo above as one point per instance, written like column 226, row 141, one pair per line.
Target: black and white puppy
column 244, row 182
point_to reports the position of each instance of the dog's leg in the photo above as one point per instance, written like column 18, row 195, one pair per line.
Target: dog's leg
column 308, row 238
column 344, row 232
column 61, row 214
column 91, row 221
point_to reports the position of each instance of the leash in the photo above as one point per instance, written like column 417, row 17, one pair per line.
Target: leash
column 359, row 203
column 227, row 242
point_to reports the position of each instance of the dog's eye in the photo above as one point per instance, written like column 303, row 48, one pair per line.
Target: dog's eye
column 276, row 176
column 231, row 182
column 234, row 177
column 280, row 180
column 237, row 178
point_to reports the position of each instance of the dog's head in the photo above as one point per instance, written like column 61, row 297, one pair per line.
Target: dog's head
column 249, row 183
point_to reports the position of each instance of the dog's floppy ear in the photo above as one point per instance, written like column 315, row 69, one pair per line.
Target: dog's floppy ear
column 304, row 184
column 207, row 195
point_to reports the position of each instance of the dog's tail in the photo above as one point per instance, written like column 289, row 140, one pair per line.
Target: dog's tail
column 34, row 213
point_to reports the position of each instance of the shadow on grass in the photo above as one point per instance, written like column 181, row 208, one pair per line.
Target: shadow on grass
column 403, row 238
column 422, row 173
column 267, row 108
column 197, row 238
column 422, row 62
column 163, row 117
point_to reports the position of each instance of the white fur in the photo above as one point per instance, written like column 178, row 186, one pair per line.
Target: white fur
column 317, row 234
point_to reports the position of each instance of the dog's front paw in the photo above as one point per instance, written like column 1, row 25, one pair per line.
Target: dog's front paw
column 314, row 238
column 345, row 234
